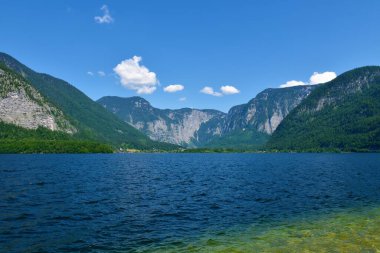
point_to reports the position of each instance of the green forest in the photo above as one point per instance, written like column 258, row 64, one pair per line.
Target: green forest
column 349, row 122
column 14, row 139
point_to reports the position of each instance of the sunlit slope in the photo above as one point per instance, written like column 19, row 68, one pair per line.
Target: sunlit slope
column 91, row 119
column 343, row 114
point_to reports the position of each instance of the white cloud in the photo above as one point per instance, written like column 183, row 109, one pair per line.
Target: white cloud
column 324, row 77
column 315, row 78
column 292, row 84
column 146, row 90
column 106, row 18
column 229, row 90
column 210, row 91
column 174, row 88
column 182, row 99
column 226, row 90
column 90, row 73
column 101, row 73
column 137, row 77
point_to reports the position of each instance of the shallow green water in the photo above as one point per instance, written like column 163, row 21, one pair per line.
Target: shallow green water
column 352, row 230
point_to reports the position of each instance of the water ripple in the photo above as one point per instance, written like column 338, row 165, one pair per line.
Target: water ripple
column 144, row 202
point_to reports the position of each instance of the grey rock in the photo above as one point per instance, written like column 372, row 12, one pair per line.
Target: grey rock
column 195, row 127
column 22, row 105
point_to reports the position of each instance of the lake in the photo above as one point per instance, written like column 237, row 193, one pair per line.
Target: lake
column 190, row 202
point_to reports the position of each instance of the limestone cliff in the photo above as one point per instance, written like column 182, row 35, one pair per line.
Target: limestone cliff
column 22, row 105
column 173, row 126
column 266, row 111
column 194, row 127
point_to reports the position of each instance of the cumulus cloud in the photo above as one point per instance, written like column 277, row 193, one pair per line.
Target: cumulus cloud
column 90, row 73
column 101, row 73
column 136, row 77
column 292, row 84
column 315, row 78
column 224, row 90
column 182, row 99
column 146, row 90
column 229, row 90
column 174, row 88
column 210, row 91
column 106, row 18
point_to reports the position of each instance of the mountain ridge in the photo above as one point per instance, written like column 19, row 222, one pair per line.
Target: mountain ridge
column 261, row 115
column 91, row 120
column 343, row 114
column 177, row 126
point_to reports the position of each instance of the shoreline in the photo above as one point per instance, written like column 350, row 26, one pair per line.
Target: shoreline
column 198, row 152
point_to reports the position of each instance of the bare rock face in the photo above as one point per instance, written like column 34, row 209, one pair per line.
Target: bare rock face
column 173, row 126
column 180, row 129
column 193, row 127
column 22, row 105
column 190, row 122
column 266, row 111
column 18, row 109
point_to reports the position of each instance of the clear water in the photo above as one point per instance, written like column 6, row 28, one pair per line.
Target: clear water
column 190, row 203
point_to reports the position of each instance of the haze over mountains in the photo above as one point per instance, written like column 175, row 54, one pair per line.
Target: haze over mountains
column 343, row 114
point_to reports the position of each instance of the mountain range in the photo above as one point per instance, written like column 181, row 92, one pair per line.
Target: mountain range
column 38, row 110
column 210, row 128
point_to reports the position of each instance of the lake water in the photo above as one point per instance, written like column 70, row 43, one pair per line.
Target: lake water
column 190, row 203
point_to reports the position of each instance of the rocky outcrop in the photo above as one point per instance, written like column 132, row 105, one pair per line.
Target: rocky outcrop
column 181, row 129
column 194, row 127
column 174, row 126
column 266, row 111
column 22, row 105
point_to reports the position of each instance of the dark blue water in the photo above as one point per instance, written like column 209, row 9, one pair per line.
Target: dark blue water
column 105, row 203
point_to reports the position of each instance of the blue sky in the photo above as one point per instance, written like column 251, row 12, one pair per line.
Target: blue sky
column 246, row 45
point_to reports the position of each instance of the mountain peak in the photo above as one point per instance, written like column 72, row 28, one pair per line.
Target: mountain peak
column 131, row 102
column 197, row 127
column 179, row 126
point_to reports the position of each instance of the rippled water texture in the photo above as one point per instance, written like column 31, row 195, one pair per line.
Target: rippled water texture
column 190, row 203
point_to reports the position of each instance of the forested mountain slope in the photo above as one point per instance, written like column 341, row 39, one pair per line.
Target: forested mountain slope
column 343, row 114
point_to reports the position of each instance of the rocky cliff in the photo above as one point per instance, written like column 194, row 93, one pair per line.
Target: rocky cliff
column 194, row 127
column 266, row 111
column 22, row 105
column 173, row 126
column 249, row 126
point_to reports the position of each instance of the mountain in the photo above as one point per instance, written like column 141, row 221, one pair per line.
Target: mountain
column 30, row 124
column 244, row 126
column 40, row 113
column 343, row 114
column 249, row 126
column 87, row 119
column 24, row 106
column 174, row 126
